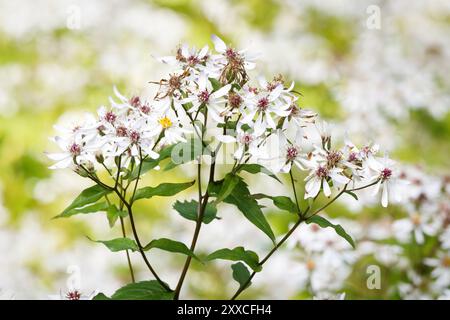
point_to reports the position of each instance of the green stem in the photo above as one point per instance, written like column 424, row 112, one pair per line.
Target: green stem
column 295, row 192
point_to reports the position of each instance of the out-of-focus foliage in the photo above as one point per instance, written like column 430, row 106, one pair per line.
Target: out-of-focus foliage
column 60, row 58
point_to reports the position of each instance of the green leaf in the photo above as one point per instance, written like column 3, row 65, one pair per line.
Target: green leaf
column 185, row 152
column 237, row 254
column 149, row 163
column 162, row 190
column 119, row 244
column 87, row 196
column 281, row 202
column 189, row 210
column 228, row 185
column 257, row 168
column 241, row 198
column 101, row 296
column 144, row 290
column 324, row 223
column 241, row 274
column 352, row 194
column 285, row 203
column 215, row 84
column 113, row 213
column 171, row 246
column 96, row 207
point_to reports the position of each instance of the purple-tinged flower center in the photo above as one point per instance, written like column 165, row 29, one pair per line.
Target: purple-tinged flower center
column 253, row 90
column 322, row 172
column 231, row 53
column 135, row 136
column 192, row 60
column 121, row 131
column 234, row 100
column 73, row 295
column 246, row 139
column 263, row 103
column 145, row 109
column 203, row 96
column 110, row 117
column 386, row 173
column 75, row 149
column 291, row 153
column 333, row 158
column 352, row 157
column 135, row 101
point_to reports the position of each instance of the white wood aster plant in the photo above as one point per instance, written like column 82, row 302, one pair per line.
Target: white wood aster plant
column 209, row 108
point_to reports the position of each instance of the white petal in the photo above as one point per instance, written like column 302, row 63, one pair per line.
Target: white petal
column 326, row 188
column 385, row 195
column 119, row 95
column 225, row 138
column 170, row 60
column 219, row 45
column 222, row 91
column 57, row 156
column 312, row 188
column 66, row 163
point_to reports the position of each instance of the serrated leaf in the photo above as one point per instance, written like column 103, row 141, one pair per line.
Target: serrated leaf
column 257, row 168
column 241, row 274
column 162, row 190
column 324, row 223
column 237, row 254
column 119, row 244
column 171, row 246
column 189, row 211
column 87, row 196
column 91, row 208
column 144, row 290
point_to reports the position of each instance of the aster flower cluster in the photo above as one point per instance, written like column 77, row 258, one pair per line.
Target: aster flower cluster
column 210, row 98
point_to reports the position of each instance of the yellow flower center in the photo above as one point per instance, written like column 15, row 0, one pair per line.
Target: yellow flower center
column 165, row 122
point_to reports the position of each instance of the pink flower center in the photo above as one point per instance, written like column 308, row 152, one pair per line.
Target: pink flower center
column 333, row 158
column 110, row 117
column 352, row 157
column 291, row 153
column 263, row 103
column 75, row 149
column 386, row 174
column 135, row 101
column 73, row 295
column 145, row 109
column 203, row 96
column 322, row 172
column 231, row 54
column 121, row 131
column 234, row 100
column 135, row 136
column 246, row 139
column 192, row 60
